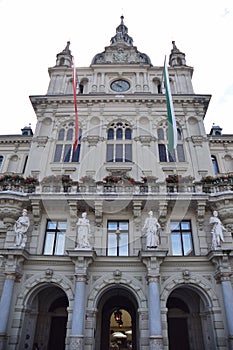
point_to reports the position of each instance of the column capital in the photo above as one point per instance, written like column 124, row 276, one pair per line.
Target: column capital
column 153, row 259
column 80, row 277
column 82, row 258
column 153, row 278
column 221, row 276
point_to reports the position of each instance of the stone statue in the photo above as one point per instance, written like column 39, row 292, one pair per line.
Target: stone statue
column 83, row 226
column 20, row 227
column 217, row 229
column 153, row 229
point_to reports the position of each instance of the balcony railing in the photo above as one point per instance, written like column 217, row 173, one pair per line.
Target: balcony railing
column 106, row 189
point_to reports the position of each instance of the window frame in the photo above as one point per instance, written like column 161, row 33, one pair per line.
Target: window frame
column 181, row 232
column 119, row 250
column 119, row 143
column 64, row 149
column 51, row 248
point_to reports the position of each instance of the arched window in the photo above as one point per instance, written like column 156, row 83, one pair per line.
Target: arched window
column 69, row 135
column 215, row 164
column 164, row 155
column 64, row 150
column 119, row 143
column 1, row 161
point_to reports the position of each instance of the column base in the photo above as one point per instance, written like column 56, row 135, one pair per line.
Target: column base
column 76, row 342
column 3, row 341
column 156, row 342
column 230, row 342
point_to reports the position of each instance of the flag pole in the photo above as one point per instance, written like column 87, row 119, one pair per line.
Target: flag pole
column 74, row 82
column 172, row 130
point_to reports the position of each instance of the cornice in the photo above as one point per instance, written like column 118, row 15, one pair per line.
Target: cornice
column 41, row 100
column 13, row 139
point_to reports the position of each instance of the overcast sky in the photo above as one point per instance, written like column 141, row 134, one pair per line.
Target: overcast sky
column 33, row 32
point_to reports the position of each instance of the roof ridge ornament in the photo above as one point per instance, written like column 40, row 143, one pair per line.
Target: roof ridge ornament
column 122, row 34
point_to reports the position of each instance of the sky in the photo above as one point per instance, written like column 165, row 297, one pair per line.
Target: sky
column 34, row 32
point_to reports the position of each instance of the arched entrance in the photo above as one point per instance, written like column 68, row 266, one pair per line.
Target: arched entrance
column 189, row 326
column 45, row 319
column 117, row 321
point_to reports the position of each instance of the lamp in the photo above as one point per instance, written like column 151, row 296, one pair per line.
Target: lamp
column 118, row 316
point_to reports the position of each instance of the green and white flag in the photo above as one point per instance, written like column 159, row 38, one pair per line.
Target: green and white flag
column 172, row 130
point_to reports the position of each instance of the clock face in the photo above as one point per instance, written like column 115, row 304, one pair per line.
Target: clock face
column 120, row 85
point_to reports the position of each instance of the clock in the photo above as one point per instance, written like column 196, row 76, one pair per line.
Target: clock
column 120, row 85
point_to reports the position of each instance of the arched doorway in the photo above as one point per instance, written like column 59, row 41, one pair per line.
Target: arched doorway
column 112, row 332
column 45, row 319
column 189, row 325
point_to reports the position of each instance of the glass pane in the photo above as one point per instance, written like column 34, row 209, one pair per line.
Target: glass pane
column 67, row 152
column 128, row 153
column 69, row 135
column 60, row 244
column 128, row 134
column 119, row 153
column 109, row 153
column 76, row 154
column 215, row 164
column 119, row 134
column 187, row 244
column 172, row 156
column 57, row 155
column 174, row 225
column 110, row 134
column 162, row 153
column 160, row 134
column 185, row 225
column 61, row 225
column 180, row 153
column 123, row 225
column 49, row 241
column 176, row 244
column 1, row 160
column 61, row 135
column 51, row 225
column 112, row 244
column 178, row 134
column 123, row 244
column 112, row 225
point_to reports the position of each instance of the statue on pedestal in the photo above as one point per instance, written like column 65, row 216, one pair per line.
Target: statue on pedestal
column 83, row 226
column 153, row 229
column 217, row 229
column 20, row 227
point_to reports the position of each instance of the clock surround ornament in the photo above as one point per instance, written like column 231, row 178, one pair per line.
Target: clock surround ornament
column 120, row 85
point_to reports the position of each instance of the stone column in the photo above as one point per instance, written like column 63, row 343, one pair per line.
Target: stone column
column 77, row 330
column 153, row 258
column 220, row 258
column 228, row 303
column 5, row 306
column 81, row 258
column 155, row 325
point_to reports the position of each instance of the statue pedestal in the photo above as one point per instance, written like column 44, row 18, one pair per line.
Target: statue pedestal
column 76, row 342
column 3, row 341
column 156, row 343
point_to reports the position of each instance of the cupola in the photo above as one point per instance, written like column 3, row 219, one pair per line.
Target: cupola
column 64, row 58
column 216, row 130
column 176, row 58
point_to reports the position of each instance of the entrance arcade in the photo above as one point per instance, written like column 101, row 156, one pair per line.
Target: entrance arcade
column 45, row 319
column 117, row 321
column 189, row 325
